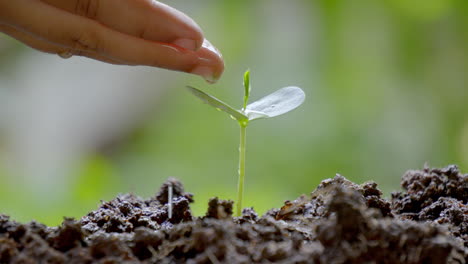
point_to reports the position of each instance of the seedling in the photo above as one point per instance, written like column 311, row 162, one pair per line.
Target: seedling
column 275, row 104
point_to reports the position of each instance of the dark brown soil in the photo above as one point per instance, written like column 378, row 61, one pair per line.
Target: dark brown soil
column 339, row 222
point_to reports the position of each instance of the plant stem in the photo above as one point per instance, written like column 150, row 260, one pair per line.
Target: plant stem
column 240, row 186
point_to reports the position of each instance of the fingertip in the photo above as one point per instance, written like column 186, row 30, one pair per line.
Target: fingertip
column 189, row 34
column 210, row 64
column 195, row 33
column 205, row 72
column 207, row 45
column 190, row 37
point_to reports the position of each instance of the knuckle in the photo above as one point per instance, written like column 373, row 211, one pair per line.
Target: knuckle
column 87, row 8
column 86, row 41
column 78, row 53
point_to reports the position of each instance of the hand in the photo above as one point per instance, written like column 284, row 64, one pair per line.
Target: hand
column 130, row 32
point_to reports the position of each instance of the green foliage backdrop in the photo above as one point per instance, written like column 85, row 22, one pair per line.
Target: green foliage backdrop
column 387, row 91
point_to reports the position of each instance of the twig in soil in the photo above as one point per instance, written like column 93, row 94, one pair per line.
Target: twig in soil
column 154, row 254
column 169, row 199
column 212, row 257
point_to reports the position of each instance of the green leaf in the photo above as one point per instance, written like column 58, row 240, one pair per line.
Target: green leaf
column 247, row 88
column 275, row 104
column 218, row 104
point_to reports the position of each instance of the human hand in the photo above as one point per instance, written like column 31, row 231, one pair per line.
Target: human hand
column 129, row 32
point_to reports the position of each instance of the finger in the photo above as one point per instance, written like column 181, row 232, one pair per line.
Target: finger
column 47, row 47
column 213, row 72
column 88, row 36
column 147, row 19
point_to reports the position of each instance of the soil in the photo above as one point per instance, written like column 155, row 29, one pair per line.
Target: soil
column 339, row 222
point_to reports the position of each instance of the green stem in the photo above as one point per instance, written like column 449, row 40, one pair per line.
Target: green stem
column 240, row 186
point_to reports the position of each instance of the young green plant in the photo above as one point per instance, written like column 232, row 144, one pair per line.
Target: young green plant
column 275, row 104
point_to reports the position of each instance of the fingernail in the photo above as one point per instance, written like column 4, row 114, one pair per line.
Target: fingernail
column 189, row 44
column 207, row 44
column 205, row 72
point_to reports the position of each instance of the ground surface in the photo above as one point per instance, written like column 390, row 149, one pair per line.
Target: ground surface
column 339, row 222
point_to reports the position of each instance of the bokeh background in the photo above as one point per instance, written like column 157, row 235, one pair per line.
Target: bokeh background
column 386, row 85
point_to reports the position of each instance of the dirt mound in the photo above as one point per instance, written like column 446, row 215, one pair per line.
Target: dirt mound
column 339, row 222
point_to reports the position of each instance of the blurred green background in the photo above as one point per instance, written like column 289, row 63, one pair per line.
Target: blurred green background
column 386, row 85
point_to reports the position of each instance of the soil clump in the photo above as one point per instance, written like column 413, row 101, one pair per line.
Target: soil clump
column 339, row 222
